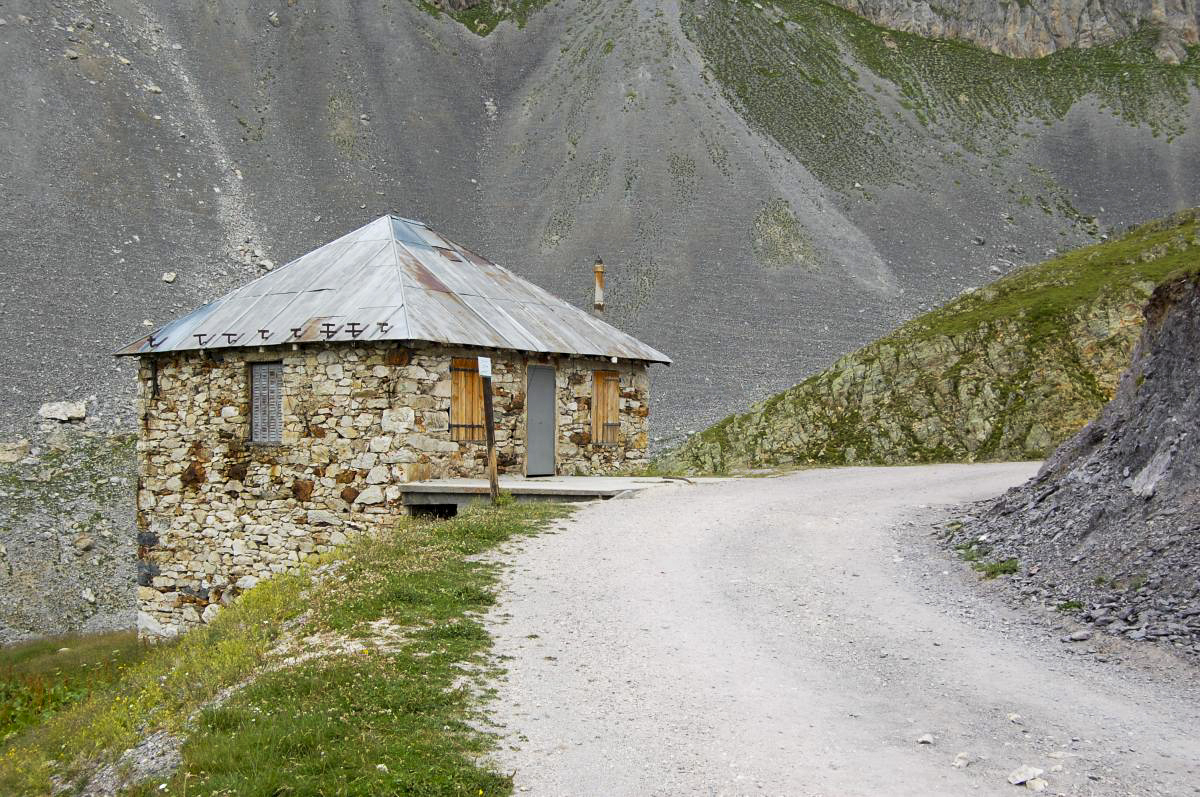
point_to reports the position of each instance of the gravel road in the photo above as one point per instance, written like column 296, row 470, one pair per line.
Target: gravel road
column 798, row 635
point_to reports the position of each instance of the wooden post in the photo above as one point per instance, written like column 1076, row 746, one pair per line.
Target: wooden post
column 489, row 427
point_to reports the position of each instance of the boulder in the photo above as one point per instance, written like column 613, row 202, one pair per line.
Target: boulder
column 64, row 411
column 14, row 452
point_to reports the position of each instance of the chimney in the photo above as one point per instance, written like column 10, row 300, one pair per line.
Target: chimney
column 598, row 307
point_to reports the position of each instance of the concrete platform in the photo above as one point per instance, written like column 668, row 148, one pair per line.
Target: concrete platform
column 460, row 492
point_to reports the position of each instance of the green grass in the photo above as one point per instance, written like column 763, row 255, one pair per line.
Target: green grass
column 38, row 679
column 1004, row 567
column 378, row 712
column 1045, row 294
column 973, row 551
column 1069, row 606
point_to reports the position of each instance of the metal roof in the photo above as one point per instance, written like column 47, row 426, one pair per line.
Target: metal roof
column 394, row 279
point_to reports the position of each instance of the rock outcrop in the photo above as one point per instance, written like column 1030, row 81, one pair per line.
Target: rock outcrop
column 1110, row 526
column 1007, row 372
column 67, row 558
column 1033, row 28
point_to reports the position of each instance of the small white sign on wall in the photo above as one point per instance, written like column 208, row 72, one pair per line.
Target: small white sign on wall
column 485, row 367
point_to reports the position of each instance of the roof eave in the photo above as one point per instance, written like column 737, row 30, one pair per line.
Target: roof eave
column 138, row 348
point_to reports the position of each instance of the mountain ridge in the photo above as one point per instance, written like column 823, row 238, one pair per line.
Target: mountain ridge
column 1035, row 28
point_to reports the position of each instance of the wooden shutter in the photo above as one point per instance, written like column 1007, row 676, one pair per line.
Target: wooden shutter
column 266, row 402
column 466, row 399
column 606, row 396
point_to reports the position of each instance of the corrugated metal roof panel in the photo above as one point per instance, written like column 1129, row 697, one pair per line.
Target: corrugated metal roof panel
column 389, row 281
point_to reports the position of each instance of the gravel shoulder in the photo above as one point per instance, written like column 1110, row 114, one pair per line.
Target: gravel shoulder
column 799, row 635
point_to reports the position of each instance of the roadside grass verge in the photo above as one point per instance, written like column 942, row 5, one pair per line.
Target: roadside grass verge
column 44, row 676
column 357, row 710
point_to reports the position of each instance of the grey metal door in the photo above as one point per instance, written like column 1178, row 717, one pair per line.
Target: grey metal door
column 540, row 421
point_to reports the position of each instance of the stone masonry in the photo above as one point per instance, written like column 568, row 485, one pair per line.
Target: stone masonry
column 216, row 512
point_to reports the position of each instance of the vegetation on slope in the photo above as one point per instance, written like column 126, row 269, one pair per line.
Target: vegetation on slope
column 852, row 100
column 482, row 16
column 1006, row 372
column 352, row 677
column 61, row 515
column 40, row 678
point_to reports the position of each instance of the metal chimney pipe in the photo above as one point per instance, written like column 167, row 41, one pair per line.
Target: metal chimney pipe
column 598, row 306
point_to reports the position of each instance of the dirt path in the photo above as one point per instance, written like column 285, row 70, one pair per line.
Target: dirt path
column 797, row 636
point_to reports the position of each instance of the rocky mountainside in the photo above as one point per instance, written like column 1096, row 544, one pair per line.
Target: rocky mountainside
column 1004, row 373
column 1110, row 526
column 1033, row 28
column 772, row 185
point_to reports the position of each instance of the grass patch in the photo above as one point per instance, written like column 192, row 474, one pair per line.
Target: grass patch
column 1069, row 606
column 374, row 716
column 40, row 678
column 1005, row 567
column 483, row 17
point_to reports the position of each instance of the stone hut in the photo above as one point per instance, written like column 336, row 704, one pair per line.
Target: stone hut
column 284, row 415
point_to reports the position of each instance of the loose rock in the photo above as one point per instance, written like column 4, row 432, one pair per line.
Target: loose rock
column 65, row 411
column 1020, row 775
column 11, row 453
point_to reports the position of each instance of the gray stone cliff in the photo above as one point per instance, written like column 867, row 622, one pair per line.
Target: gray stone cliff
column 1034, row 28
column 1110, row 527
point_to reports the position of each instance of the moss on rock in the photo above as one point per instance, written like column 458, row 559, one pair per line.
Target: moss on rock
column 1004, row 373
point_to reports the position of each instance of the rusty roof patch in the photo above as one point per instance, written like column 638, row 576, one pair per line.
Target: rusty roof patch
column 394, row 279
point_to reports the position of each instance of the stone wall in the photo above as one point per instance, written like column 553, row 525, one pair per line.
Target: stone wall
column 216, row 512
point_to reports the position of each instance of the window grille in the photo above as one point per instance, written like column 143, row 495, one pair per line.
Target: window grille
column 266, row 402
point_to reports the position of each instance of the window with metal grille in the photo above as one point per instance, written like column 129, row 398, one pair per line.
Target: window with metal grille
column 606, row 397
column 266, row 402
column 466, row 399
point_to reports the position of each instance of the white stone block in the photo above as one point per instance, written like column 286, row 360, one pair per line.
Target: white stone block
column 399, row 419
column 371, row 495
column 322, row 517
column 148, row 625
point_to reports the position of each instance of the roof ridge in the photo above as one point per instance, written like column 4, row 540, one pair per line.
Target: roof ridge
column 399, row 272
